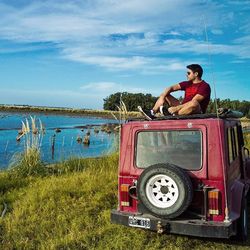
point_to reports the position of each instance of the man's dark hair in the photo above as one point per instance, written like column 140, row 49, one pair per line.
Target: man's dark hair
column 196, row 68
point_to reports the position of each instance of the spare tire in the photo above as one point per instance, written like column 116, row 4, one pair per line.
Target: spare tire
column 165, row 190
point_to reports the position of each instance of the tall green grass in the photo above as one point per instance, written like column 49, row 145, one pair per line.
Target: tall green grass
column 68, row 205
column 70, row 209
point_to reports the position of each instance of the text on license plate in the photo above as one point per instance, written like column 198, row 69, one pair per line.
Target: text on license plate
column 138, row 222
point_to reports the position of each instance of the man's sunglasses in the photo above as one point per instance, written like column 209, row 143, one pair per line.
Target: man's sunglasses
column 188, row 73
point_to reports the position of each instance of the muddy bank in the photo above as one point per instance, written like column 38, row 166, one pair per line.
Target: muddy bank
column 65, row 111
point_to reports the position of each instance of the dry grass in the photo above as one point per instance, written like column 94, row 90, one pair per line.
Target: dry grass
column 247, row 139
column 245, row 123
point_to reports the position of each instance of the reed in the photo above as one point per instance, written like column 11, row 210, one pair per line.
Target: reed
column 29, row 162
column 123, row 113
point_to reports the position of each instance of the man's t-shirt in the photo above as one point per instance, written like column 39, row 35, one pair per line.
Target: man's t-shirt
column 201, row 88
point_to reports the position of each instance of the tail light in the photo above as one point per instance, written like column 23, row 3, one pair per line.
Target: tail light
column 214, row 202
column 125, row 199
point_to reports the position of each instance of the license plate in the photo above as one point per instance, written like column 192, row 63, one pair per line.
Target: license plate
column 139, row 222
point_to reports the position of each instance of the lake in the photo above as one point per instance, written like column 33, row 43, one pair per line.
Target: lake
column 59, row 142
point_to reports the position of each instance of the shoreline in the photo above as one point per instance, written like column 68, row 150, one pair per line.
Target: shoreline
column 64, row 111
column 106, row 114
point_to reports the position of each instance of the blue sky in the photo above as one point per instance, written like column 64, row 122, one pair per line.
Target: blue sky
column 75, row 53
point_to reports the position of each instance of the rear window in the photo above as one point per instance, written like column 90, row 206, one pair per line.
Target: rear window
column 180, row 147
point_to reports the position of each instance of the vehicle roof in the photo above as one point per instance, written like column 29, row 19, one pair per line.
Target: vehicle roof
column 186, row 117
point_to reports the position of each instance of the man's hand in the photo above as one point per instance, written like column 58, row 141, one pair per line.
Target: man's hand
column 174, row 110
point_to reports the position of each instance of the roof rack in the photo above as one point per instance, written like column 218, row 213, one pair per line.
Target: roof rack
column 176, row 117
column 225, row 113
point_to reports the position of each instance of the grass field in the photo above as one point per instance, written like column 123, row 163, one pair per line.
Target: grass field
column 67, row 206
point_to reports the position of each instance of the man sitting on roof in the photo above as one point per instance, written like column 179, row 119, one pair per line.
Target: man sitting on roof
column 196, row 99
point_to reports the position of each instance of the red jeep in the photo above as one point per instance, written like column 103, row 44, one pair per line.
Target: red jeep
column 184, row 175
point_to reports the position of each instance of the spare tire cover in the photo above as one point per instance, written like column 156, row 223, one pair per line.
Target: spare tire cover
column 165, row 190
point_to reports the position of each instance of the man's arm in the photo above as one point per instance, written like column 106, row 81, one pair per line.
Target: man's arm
column 199, row 98
column 167, row 91
column 171, row 89
column 162, row 98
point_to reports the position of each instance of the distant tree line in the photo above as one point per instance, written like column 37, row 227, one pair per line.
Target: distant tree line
column 131, row 101
column 147, row 101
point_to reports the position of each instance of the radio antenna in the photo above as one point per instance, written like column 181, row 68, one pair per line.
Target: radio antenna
column 211, row 66
column 217, row 113
column 120, row 105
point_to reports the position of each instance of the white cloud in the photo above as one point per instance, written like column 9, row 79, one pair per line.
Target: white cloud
column 107, row 88
column 51, row 21
column 99, row 86
column 117, row 35
column 115, row 62
column 217, row 31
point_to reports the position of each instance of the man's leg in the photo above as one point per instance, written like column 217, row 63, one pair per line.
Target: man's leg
column 150, row 114
column 172, row 102
column 192, row 107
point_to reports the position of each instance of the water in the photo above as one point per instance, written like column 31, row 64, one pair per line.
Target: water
column 65, row 143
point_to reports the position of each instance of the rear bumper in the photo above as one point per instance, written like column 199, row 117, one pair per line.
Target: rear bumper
column 194, row 227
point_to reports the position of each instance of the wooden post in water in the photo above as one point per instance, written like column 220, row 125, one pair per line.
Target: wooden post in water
column 53, row 146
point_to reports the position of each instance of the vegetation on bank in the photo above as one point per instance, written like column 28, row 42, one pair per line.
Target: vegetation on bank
column 67, row 206
column 131, row 101
column 68, row 111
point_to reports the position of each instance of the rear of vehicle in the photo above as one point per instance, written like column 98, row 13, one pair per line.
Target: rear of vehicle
column 182, row 176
